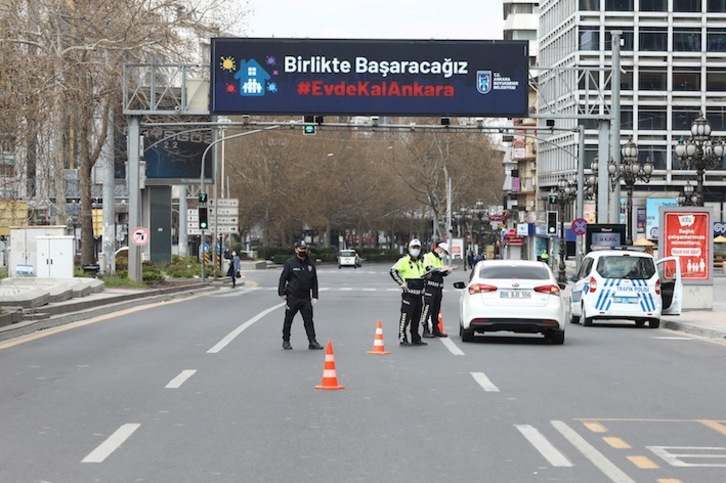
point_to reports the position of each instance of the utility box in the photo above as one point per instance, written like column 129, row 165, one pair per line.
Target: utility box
column 55, row 257
column 23, row 256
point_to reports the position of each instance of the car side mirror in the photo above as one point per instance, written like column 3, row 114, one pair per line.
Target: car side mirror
column 459, row 285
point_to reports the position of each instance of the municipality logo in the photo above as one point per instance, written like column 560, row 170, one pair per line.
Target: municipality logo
column 484, row 81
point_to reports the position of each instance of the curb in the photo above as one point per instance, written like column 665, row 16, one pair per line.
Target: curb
column 98, row 308
column 693, row 329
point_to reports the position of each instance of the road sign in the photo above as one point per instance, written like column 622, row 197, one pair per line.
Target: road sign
column 225, row 211
column 227, row 202
column 579, row 226
column 140, row 236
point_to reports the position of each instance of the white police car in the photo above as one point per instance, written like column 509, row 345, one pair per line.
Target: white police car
column 624, row 284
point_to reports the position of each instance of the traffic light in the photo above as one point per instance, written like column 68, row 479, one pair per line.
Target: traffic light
column 203, row 218
column 551, row 223
column 202, row 197
column 309, row 125
column 552, row 199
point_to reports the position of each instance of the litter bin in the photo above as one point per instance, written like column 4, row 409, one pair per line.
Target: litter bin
column 91, row 269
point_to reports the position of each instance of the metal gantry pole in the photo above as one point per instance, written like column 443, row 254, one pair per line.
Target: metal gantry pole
column 133, row 173
column 614, row 205
column 580, row 203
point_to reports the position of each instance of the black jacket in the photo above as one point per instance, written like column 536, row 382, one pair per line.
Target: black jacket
column 298, row 279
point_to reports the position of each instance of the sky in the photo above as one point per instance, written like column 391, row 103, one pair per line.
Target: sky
column 377, row 19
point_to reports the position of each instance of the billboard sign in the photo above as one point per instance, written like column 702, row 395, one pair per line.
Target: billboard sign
column 467, row 78
column 652, row 217
column 688, row 233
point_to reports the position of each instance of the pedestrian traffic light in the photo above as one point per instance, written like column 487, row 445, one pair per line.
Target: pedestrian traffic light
column 309, row 125
column 202, row 197
column 203, row 218
column 551, row 222
column 552, row 199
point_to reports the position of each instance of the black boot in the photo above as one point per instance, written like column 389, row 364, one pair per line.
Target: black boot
column 286, row 345
column 314, row 345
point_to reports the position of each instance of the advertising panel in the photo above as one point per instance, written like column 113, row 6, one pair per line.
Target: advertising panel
column 485, row 78
column 600, row 236
column 652, row 217
column 687, row 233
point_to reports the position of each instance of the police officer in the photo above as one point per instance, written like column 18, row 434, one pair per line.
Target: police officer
column 433, row 290
column 408, row 272
column 298, row 281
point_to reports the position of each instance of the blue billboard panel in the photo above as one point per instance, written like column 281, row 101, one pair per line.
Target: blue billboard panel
column 483, row 78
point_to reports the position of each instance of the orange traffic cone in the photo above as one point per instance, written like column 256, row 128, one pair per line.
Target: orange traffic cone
column 441, row 323
column 330, row 380
column 378, row 341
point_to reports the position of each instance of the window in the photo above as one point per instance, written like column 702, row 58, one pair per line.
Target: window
column 532, row 273
column 652, row 119
column 626, row 81
column 627, row 38
column 590, row 5
column 618, row 5
column 718, row 6
column 683, row 117
column 657, row 155
column 654, row 5
column 686, row 5
column 653, row 39
column 717, row 117
column 685, row 79
column 626, row 117
column 686, row 40
column 640, row 268
column 590, row 38
column 653, row 80
column 716, row 80
column 716, row 40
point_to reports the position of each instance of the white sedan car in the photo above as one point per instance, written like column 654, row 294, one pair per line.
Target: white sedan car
column 518, row 296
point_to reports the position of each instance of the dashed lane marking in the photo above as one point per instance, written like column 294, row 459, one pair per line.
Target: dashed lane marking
column 643, row 462
column 180, row 379
column 111, row 444
column 595, row 427
column 453, row 348
column 541, row 444
column 484, row 382
column 715, row 425
column 608, row 468
column 617, row 443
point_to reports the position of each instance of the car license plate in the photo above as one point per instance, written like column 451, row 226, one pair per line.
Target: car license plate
column 515, row 294
column 625, row 300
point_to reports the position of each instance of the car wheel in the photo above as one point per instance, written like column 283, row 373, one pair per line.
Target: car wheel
column 586, row 321
column 654, row 323
column 339, row 267
column 639, row 322
column 467, row 335
column 555, row 337
column 574, row 319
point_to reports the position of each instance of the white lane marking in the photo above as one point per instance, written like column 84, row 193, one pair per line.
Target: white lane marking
column 346, row 289
column 231, row 336
column 608, row 468
column 542, row 445
column 484, row 382
column 180, row 379
column 673, row 338
column 709, row 454
column 111, row 444
column 453, row 348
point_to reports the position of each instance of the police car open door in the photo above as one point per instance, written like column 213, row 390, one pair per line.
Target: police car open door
column 671, row 286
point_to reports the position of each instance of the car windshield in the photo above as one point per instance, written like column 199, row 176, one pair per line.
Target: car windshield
column 347, row 253
column 508, row 271
column 639, row 268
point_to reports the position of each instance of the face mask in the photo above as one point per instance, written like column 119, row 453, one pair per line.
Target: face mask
column 302, row 254
column 415, row 252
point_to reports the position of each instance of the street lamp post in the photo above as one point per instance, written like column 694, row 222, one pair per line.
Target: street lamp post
column 687, row 198
column 566, row 193
column 700, row 151
column 630, row 171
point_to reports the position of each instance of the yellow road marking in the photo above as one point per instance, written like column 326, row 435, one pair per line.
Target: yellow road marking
column 668, row 480
column 643, row 462
column 617, row 443
column 715, row 425
column 81, row 323
column 595, row 427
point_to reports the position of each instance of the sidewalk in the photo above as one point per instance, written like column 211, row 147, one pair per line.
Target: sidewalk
column 704, row 323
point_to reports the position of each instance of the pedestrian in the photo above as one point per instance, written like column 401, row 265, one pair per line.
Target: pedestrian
column 545, row 257
column 298, row 283
column 233, row 270
column 408, row 272
column 470, row 260
column 433, row 290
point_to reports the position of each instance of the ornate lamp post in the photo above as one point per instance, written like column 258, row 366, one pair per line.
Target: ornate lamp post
column 591, row 181
column 630, row 171
column 687, row 198
column 566, row 192
column 700, row 151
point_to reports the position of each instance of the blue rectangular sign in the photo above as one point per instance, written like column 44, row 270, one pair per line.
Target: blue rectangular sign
column 484, row 78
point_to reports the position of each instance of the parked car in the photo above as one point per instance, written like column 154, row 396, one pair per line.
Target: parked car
column 626, row 284
column 518, row 296
column 348, row 258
